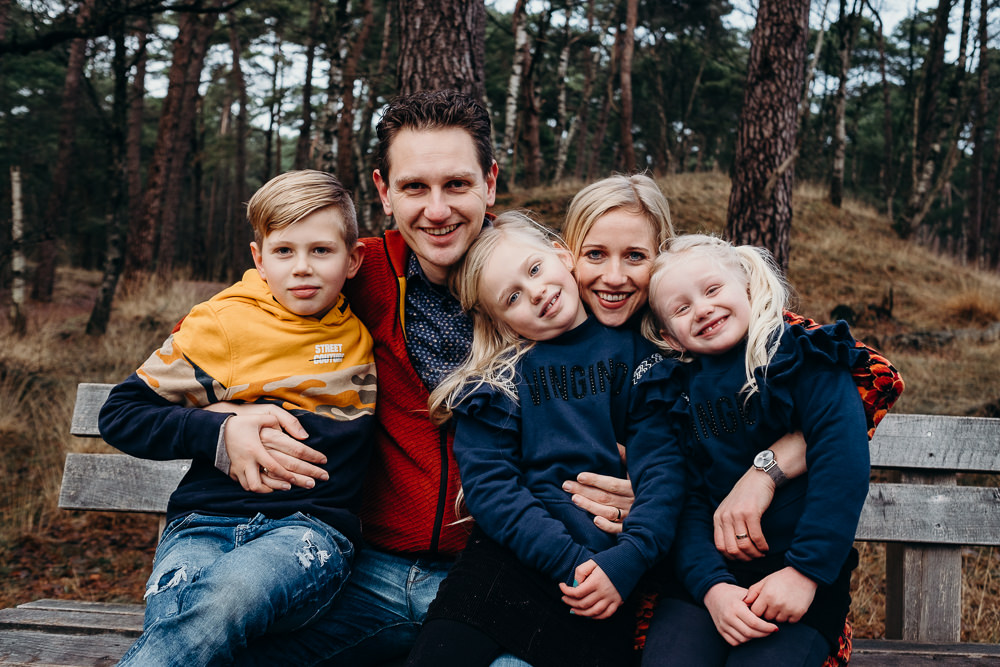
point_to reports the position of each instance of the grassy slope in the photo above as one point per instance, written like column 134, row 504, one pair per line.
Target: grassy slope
column 847, row 257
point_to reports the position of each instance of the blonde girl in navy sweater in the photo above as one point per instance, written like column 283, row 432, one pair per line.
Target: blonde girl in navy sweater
column 546, row 393
column 750, row 378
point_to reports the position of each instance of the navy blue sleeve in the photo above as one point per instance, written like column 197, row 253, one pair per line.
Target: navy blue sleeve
column 487, row 448
column 138, row 421
column 656, row 469
column 833, row 422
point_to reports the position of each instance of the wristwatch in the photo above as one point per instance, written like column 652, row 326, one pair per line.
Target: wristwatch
column 764, row 461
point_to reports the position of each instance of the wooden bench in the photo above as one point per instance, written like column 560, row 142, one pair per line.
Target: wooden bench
column 925, row 518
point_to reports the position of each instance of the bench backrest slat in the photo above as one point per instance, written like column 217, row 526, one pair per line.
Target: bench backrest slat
column 933, row 514
column 937, row 442
column 119, row 482
column 90, row 397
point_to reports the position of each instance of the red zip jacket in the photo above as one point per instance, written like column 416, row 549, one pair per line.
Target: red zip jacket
column 409, row 494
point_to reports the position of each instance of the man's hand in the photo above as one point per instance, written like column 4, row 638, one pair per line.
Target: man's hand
column 732, row 617
column 783, row 596
column 594, row 596
column 263, row 447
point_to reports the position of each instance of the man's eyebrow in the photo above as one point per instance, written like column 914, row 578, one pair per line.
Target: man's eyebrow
column 453, row 176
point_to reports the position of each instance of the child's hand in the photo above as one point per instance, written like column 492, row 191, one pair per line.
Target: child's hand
column 594, row 595
column 733, row 618
column 783, row 596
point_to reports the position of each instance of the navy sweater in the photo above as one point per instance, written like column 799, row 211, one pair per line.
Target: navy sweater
column 813, row 518
column 575, row 395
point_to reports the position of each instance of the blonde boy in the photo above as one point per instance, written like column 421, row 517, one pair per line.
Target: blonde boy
column 234, row 564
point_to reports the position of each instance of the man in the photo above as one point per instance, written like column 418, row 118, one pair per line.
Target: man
column 436, row 177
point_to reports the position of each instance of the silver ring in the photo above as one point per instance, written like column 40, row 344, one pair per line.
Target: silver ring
column 742, row 537
column 265, row 470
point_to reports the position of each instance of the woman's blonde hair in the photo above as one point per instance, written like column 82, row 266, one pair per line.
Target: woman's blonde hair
column 495, row 346
column 767, row 289
column 637, row 193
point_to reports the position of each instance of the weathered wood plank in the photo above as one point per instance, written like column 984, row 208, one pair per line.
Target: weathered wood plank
column 19, row 647
column 127, row 608
column 118, row 482
column 89, row 399
column 968, row 444
column 931, row 513
column 891, row 653
column 63, row 621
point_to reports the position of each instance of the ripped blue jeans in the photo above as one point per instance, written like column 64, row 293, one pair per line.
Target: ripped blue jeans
column 219, row 582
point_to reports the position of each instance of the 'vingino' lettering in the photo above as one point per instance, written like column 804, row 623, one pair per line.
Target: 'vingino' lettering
column 565, row 382
column 724, row 414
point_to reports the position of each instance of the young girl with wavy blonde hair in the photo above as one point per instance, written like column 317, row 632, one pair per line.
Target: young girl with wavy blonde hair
column 751, row 376
column 547, row 392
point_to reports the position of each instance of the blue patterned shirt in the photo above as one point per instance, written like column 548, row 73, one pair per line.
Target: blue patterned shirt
column 438, row 333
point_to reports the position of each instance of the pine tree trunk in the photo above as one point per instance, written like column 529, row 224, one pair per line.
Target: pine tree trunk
column 239, row 247
column 760, row 204
column 303, row 147
column 346, row 168
column 625, row 78
column 442, row 45
column 974, row 233
column 100, row 315
column 172, row 142
column 590, row 66
column 63, row 167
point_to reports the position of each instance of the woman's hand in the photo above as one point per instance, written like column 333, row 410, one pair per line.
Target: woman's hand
column 609, row 499
column 262, row 442
column 738, row 535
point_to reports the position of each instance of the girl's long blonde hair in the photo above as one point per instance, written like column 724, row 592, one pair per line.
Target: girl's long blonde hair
column 496, row 348
column 767, row 289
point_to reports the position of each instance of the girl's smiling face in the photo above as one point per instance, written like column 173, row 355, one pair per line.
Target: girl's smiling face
column 702, row 304
column 531, row 290
column 613, row 266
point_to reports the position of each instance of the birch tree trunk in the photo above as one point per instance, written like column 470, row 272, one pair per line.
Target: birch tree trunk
column 522, row 55
column 760, row 203
column 17, row 318
column 848, row 28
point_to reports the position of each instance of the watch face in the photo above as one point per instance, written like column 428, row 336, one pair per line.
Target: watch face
column 763, row 458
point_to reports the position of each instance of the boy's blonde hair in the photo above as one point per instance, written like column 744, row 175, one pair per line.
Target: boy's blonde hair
column 637, row 193
column 495, row 346
column 290, row 197
column 767, row 289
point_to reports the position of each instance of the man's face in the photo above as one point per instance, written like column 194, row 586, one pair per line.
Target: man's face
column 438, row 195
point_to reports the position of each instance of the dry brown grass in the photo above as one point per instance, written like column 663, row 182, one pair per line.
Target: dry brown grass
column 848, row 256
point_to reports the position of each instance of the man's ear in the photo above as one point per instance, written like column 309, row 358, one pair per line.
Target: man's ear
column 383, row 191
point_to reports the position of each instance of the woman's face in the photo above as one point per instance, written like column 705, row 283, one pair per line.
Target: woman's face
column 612, row 268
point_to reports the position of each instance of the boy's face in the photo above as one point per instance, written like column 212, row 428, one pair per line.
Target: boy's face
column 306, row 263
column 437, row 193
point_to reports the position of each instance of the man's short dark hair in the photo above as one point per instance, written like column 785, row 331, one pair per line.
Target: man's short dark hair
column 435, row 110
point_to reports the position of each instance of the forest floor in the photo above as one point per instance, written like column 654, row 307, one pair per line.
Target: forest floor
column 847, row 256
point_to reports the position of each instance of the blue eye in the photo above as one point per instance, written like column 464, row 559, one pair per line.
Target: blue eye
column 512, row 298
column 534, row 269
